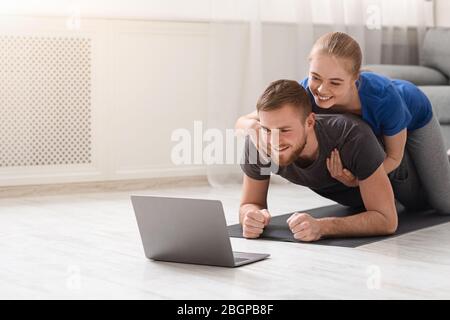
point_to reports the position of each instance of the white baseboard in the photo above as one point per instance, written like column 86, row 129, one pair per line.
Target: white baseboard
column 77, row 174
column 100, row 186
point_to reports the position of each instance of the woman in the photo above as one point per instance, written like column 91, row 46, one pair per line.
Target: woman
column 396, row 110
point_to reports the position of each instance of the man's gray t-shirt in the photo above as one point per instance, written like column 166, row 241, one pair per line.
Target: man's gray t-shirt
column 359, row 149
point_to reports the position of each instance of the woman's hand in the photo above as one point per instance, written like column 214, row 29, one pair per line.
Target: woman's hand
column 338, row 172
column 259, row 140
column 253, row 131
column 248, row 125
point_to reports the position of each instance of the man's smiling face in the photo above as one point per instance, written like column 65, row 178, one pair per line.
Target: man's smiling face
column 283, row 131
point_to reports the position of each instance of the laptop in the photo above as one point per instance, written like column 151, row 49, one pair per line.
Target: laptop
column 187, row 231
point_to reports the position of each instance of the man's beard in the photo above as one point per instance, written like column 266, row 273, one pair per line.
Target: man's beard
column 287, row 159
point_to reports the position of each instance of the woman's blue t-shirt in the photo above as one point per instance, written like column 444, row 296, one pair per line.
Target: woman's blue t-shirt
column 388, row 106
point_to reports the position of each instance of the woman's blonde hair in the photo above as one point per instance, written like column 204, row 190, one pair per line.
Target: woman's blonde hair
column 340, row 45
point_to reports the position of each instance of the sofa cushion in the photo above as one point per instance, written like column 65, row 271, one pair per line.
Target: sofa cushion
column 440, row 100
column 419, row 75
column 436, row 50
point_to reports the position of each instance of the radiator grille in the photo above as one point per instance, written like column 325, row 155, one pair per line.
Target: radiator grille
column 45, row 101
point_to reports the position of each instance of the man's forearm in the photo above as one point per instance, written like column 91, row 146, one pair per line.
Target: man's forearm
column 246, row 207
column 368, row 223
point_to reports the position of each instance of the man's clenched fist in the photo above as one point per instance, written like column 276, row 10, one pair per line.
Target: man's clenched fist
column 304, row 227
column 254, row 222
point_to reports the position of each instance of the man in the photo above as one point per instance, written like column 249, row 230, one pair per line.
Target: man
column 305, row 141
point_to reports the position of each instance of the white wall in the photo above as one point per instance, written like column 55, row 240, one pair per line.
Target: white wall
column 148, row 78
column 137, row 9
column 442, row 11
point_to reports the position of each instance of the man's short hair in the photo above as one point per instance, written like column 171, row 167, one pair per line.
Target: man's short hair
column 282, row 92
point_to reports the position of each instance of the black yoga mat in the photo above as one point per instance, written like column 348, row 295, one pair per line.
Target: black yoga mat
column 278, row 229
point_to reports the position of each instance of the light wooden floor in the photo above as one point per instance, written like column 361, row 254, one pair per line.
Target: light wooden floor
column 87, row 246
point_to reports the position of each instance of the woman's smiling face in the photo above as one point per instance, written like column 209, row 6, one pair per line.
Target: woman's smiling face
column 330, row 81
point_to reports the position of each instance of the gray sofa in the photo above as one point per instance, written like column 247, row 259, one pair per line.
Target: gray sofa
column 432, row 75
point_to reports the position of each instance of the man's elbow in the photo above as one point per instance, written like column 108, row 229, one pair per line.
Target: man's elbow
column 387, row 222
column 391, row 228
column 391, row 223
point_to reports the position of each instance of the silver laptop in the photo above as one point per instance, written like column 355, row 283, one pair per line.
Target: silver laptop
column 188, row 231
